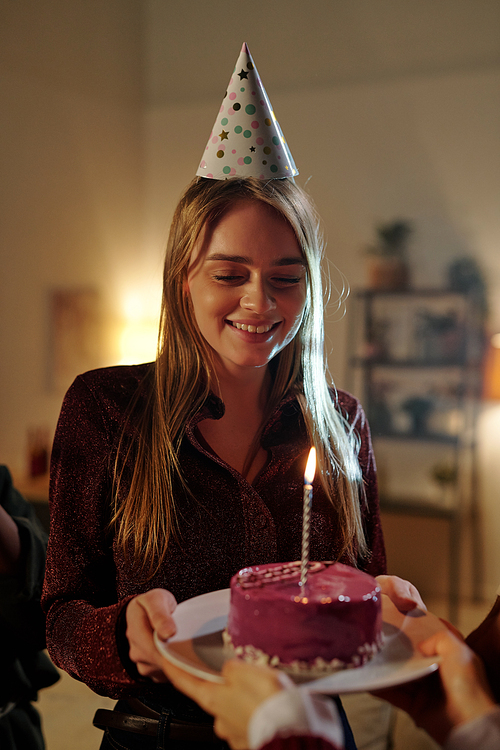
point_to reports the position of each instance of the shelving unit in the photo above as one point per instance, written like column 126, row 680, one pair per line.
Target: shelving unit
column 415, row 361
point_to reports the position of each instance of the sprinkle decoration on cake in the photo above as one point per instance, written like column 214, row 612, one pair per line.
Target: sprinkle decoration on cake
column 333, row 622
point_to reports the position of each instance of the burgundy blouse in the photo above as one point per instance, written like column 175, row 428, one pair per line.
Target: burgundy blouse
column 299, row 742
column 225, row 524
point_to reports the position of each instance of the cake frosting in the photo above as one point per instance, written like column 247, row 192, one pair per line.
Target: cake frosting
column 333, row 622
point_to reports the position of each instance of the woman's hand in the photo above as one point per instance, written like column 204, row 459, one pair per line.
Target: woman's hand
column 403, row 594
column 146, row 613
column 485, row 641
column 457, row 693
column 467, row 694
column 233, row 702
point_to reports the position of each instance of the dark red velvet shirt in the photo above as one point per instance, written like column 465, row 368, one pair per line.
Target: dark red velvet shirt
column 305, row 742
column 225, row 525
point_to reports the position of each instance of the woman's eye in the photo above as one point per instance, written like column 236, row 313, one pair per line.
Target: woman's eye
column 286, row 280
column 229, row 279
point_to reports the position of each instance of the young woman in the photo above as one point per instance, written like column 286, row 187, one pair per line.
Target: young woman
column 169, row 477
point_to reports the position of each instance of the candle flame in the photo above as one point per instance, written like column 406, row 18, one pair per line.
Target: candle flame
column 310, row 467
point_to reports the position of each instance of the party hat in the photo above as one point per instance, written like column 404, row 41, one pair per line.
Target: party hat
column 246, row 140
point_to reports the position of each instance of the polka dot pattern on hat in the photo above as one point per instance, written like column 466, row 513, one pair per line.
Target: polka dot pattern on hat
column 246, row 140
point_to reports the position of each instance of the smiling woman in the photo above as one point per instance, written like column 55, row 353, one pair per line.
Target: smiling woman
column 203, row 451
column 169, row 477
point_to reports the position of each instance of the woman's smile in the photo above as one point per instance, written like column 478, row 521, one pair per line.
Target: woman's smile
column 252, row 327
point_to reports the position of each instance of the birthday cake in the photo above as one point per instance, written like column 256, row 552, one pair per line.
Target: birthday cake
column 333, row 622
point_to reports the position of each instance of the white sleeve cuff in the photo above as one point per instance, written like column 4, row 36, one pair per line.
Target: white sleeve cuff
column 483, row 733
column 295, row 712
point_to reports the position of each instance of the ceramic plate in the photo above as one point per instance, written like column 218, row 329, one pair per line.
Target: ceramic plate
column 198, row 648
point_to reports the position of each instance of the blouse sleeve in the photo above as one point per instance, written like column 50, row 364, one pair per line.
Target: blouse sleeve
column 483, row 732
column 305, row 742
column 80, row 600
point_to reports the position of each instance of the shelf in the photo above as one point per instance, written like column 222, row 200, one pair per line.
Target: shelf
column 415, row 508
column 427, row 437
column 412, row 363
column 429, row 293
column 412, row 354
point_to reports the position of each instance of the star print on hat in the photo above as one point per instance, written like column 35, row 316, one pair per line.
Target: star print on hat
column 246, row 140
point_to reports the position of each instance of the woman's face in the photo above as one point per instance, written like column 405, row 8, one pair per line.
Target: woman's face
column 247, row 282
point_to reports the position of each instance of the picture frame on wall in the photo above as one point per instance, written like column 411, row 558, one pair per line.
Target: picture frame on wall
column 75, row 334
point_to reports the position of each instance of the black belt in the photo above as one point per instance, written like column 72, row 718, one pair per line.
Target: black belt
column 145, row 720
column 6, row 709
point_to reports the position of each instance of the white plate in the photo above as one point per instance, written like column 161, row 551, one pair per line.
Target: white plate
column 197, row 647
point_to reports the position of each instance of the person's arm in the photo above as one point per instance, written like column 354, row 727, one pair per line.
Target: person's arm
column 466, row 690
column 465, row 698
column 10, row 545
column 86, row 620
column 94, row 634
column 258, row 707
column 23, row 543
column 485, row 642
column 482, row 733
column 297, row 717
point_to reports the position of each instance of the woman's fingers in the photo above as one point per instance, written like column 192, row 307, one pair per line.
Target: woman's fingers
column 467, row 693
column 443, row 643
column 456, row 632
column 146, row 613
column 158, row 605
column 403, row 594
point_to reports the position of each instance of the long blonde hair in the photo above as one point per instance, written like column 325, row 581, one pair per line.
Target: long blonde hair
column 145, row 514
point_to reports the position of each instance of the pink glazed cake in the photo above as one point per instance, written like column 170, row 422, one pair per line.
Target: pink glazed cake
column 335, row 623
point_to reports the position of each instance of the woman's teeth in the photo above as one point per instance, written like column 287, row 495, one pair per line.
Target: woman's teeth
column 251, row 329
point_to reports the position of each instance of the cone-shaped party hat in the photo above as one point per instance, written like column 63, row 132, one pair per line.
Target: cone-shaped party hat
column 246, row 140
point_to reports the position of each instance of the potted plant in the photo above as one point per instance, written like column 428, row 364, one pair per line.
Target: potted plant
column 446, row 477
column 387, row 258
column 419, row 409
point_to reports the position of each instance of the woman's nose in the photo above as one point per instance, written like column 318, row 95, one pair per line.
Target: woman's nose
column 258, row 298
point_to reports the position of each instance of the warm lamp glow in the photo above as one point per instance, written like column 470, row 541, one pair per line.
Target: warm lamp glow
column 138, row 333
column 138, row 342
column 491, row 384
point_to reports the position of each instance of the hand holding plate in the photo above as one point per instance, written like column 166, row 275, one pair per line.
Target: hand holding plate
column 403, row 594
column 145, row 614
column 232, row 702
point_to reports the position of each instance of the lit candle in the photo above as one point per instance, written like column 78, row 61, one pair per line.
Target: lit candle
column 306, row 513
